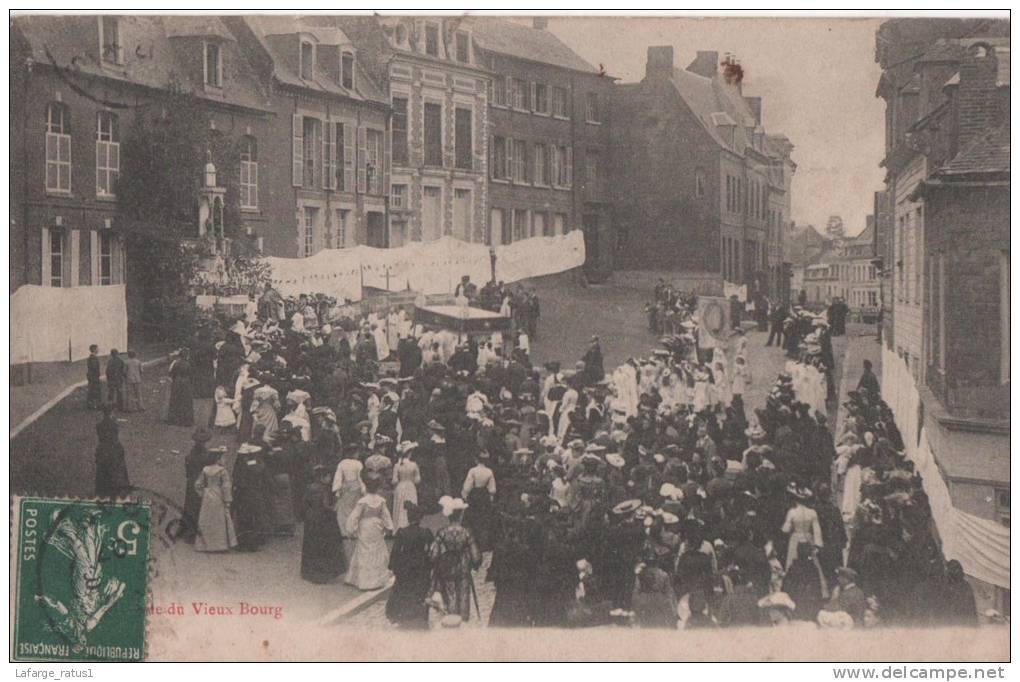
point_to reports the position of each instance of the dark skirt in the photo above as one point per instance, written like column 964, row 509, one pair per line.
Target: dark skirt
column 111, row 471
column 322, row 551
column 182, row 410
column 406, row 605
column 479, row 518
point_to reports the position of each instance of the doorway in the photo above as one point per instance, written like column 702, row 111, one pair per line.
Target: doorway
column 376, row 230
column 590, row 224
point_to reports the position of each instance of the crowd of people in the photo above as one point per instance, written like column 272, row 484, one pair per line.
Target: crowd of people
column 646, row 495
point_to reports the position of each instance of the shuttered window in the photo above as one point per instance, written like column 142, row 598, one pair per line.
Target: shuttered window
column 433, row 134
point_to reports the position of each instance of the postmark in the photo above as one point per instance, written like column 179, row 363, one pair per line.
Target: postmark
column 81, row 571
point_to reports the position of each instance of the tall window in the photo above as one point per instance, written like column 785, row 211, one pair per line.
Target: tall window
column 541, row 165
column 433, row 134
column 110, row 39
column 56, row 256
column 213, row 65
column 312, row 140
column 374, row 169
column 522, row 94
column 901, row 260
column 249, row 172
column 432, row 40
column 699, row 184
column 520, row 224
column 462, row 139
column 560, row 223
column 498, row 160
column 561, row 166
column 398, row 127
column 498, row 97
column 559, row 102
column 107, row 153
column 344, row 159
column 539, row 224
column 918, row 253
column 520, row 161
column 593, row 165
column 462, row 44
column 593, row 111
column 347, row 70
column 58, row 147
column 541, row 98
column 309, row 217
column 307, row 60
column 105, row 257
column 398, row 196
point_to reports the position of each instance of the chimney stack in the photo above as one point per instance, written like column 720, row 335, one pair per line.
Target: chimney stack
column 978, row 102
column 705, row 64
column 660, row 62
column 541, row 23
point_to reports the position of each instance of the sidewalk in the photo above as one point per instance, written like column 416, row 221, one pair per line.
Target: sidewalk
column 859, row 348
column 53, row 381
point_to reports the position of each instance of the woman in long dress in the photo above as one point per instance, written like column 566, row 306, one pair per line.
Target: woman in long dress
column 348, row 488
column 322, row 551
column 181, row 411
column 454, row 556
column 412, row 569
column 369, row 523
column 253, row 497
column 478, row 491
column 406, row 477
column 215, row 527
column 265, row 410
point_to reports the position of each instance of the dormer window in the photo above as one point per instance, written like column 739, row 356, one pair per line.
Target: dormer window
column 109, row 40
column 307, row 60
column 432, row 40
column 463, row 42
column 213, row 66
column 347, row 70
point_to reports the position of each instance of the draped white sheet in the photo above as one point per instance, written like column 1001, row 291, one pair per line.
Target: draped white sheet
column 57, row 324
column 980, row 545
column 431, row 267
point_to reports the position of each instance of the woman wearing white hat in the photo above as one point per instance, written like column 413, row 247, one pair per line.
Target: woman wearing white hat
column 406, row 478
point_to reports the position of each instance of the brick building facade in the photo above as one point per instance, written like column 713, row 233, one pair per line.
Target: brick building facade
column 947, row 115
column 548, row 139
column 693, row 172
column 78, row 83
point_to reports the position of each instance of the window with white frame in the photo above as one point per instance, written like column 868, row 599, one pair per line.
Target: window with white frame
column 347, row 70
column 398, row 126
column 541, row 176
column 521, row 94
column 463, row 155
column 58, row 147
column 398, row 196
column 498, row 161
column 433, row 120
column 432, row 40
column 111, row 51
column 307, row 60
column 593, row 111
column 497, row 96
column 249, row 172
column 462, row 44
column 374, row 153
column 520, row 158
column 312, row 155
column 560, row 223
column 309, row 217
column 343, row 217
column 559, row 102
column 520, row 224
column 105, row 257
column 55, row 253
column 562, row 171
column 541, row 102
column 107, row 153
column 213, row 65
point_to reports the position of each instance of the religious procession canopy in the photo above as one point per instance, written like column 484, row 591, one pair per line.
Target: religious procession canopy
column 462, row 318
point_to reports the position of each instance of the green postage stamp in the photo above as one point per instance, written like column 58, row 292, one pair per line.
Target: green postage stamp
column 80, row 572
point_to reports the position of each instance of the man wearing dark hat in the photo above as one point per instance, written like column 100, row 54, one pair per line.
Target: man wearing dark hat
column 594, row 371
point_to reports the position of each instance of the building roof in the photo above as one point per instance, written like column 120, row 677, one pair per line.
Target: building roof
column 524, row 42
column 717, row 106
column 987, row 153
column 268, row 30
column 153, row 55
column 953, row 50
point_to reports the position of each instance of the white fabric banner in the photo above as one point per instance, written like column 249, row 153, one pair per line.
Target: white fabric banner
column 980, row 545
column 430, row 267
column 57, row 324
column 539, row 256
column 731, row 289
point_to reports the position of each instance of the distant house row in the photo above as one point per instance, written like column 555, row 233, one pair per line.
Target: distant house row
column 389, row 130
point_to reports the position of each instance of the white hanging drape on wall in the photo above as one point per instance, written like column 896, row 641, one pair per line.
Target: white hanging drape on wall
column 57, row 324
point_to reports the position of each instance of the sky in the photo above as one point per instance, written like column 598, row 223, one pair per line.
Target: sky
column 817, row 79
